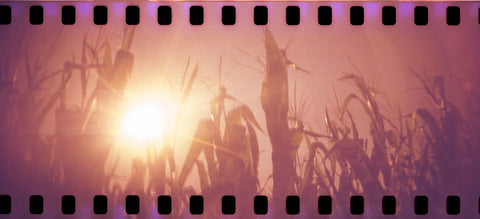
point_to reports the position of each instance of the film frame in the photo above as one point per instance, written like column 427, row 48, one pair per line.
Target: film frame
column 348, row 18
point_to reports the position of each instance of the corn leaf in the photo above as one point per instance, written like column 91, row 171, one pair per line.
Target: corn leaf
column 331, row 126
column 202, row 138
column 431, row 122
column 249, row 117
column 202, row 173
column 254, row 149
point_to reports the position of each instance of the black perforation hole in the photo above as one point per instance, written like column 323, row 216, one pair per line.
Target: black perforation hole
column 453, row 15
column 196, row 204
column 260, row 15
column 68, row 204
column 356, row 205
column 389, row 205
column 324, row 15
column 132, row 204
column 5, row 14
column 356, row 15
column 293, row 15
column 5, row 204
column 293, row 205
column 453, row 205
column 324, row 205
column 421, row 205
column 196, row 15
column 164, row 204
column 389, row 15
column 260, row 204
column 421, row 15
column 100, row 15
column 228, row 204
column 100, row 204
column 36, row 14
column 164, row 15
column 228, row 15
column 36, row 204
column 68, row 15
column 132, row 15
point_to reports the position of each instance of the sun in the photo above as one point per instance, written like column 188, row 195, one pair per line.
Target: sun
column 146, row 120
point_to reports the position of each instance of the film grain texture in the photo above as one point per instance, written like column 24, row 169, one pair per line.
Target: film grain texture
column 239, row 109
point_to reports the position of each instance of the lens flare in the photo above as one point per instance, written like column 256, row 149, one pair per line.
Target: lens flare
column 147, row 120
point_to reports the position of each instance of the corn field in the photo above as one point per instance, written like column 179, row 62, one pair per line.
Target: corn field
column 363, row 143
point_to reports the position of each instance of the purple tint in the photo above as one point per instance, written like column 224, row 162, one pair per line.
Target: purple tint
column 269, row 7
column 152, row 9
column 85, row 211
column 371, row 9
column 186, row 9
column 337, row 9
column 303, row 9
column 84, row 8
column 119, row 212
column 405, row 9
column 439, row 9
column 16, row 9
column 118, row 8
column 472, row 10
column 50, row 8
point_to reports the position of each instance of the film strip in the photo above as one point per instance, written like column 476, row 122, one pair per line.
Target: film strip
column 239, row 109
column 228, row 15
column 228, row 207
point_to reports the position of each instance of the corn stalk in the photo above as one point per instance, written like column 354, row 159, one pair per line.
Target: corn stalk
column 274, row 101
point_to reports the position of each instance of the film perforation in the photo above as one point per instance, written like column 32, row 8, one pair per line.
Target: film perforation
column 421, row 15
column 5, row 204
column 292, row 205
column 36, row 15
column 196, row 204
column 324, row 205
column 260, row 15
column 421, row 205
column 389, row 15
column 68, row 204
column 453, row 205
column 5, row 14
column 228, row 205
column 229, row 16
column 356, row 15
column 196, row 15
column 293, row 15
column 100, row 204
column 164, row 204
column 453, row 15
column 164, row 15
column 68, row 14
column 260, row 205
column 324, row 15
column 132, row 15
column 132, row 204
column 357, row 206
column 389, row 205
column 100, row 15
column 36, row 204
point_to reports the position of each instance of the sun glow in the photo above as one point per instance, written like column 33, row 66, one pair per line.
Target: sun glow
column 147, row 120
